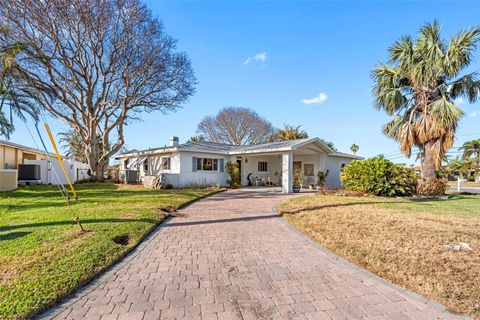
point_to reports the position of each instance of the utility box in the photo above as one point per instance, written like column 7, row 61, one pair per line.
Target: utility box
column 29, row 172
column 131, row 176
column 8, row 179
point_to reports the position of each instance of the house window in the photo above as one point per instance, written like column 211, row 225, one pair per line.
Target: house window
column 206, row 164
column 145, row 165
column 308, row 170
column 262, row 166
column 342, row 167
column 125, row 164
column 166, row 162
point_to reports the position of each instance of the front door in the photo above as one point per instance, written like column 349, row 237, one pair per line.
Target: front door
column 239, row 162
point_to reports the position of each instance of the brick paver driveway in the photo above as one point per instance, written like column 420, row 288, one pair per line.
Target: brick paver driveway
column 230, row 256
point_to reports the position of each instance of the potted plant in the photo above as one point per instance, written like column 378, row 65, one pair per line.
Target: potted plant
column 297, row 180
column 279, row 177
column 321, row 177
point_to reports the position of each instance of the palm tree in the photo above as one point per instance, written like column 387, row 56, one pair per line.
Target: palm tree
column 330, row 144
column 462, row 166
column 418, row 87
column 14, row 100
column 196, row 139
column 74, row 147
column 289, row 133
column 472, row 148
column 354, row 147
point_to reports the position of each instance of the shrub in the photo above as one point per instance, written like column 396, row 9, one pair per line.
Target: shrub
column 321, row 177
column 116, row 176
column 380, row 177
column 168, row 186
column 297, row 177
column 234, row 172
column 433, row 187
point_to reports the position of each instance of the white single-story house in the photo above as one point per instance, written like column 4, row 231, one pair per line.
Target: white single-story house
column 202, row 163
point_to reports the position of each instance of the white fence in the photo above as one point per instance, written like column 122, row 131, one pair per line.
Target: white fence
column 75, row 170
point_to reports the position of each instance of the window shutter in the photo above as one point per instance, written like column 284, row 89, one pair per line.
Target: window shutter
column 221, row 165
column 194, row 164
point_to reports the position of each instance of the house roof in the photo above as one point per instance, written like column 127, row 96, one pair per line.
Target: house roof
column 227, row 149
column 22, row 147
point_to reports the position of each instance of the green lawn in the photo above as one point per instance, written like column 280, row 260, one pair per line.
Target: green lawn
column 44, row 255
column 401, row 240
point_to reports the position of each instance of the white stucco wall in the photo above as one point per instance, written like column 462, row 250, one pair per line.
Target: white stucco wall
column 188, row 177
column 182, row 175
column 333, row 164
column 154, row 164
column 250, row 165
column 319, row 164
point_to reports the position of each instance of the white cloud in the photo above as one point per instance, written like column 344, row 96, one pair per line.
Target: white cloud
column 321, row 98
column 474, row 114
column 262, row 56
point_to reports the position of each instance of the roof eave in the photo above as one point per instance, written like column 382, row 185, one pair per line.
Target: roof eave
column 146, row 152
column 344, row 155
column 311, row 140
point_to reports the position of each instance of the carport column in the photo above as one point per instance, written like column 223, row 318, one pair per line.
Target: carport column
column 287, row 172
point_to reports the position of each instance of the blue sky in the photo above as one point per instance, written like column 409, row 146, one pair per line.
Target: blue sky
column 271, row 55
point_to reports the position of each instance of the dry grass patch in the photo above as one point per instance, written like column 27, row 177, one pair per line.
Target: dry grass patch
column 402, row 241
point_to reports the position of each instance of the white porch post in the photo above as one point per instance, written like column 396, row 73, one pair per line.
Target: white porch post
column 287, row 172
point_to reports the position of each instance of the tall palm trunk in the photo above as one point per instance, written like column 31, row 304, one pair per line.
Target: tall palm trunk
column 429, row 164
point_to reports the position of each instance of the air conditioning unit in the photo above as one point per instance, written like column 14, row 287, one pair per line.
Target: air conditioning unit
column 29, row 172
column 131, row 176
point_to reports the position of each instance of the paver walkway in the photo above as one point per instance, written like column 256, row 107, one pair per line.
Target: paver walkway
column 230, row 256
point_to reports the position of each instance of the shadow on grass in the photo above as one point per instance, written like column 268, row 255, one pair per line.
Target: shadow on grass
column 13, row 235
column 336, row 205
column 72, row 222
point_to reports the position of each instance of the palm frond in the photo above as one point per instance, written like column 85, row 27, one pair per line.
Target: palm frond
column 460, row 51
column 467, row 86
column 389, row 89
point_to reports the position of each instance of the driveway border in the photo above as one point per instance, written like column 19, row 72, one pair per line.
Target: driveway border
column 54, row 309
column 368, row 274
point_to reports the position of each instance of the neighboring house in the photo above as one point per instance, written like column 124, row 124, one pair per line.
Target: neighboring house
column 203, row 163
column 12, row 154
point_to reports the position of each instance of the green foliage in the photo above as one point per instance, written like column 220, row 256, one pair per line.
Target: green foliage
column 234, row 173
column 418, row 87
column 289, row 132
column 329, row 144
column 379, row 176
column 45, row 253
column 460, row 167
column 432, row 187
column 354, row 147
column 15, row 100
column 199, row 138
column 321, row 177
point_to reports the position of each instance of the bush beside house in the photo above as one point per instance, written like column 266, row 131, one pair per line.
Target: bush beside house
column 234, row 172
column 379, row 176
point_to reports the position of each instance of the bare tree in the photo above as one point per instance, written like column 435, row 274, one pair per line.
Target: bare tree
column 237, row 126
column 97, row 65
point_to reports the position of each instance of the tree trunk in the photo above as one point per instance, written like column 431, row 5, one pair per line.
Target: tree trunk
column 91, row 153
column 429, row 162
column 99, row 171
